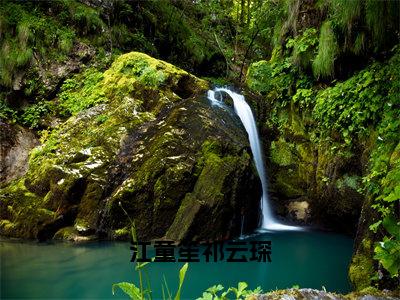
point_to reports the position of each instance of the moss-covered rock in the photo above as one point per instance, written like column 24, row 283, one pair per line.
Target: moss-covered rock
column 302, row 170
column 211, row 209
column 362, row 266
column 22, row 212
column 310, row 294
column 145, row 142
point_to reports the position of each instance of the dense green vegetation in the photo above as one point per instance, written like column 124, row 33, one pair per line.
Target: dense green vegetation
column 344, row 109
column 44, row 43
column 326, row 75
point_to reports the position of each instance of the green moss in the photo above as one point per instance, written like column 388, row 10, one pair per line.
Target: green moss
column 7, row 227
column 293, row 165
column 167, row 189
column 81, row 224
column 157, row 184
column 184, row 218
column 361, row 268
column 81, row 92
column 395, row 156
column 216, row 167
column 280, row 153
column 370, row 291
column 323, row 64
column 88, row 214
column 128, row 74
column 67, row 233
column 70, row 168
column 140, row 67
column 22, row 211
column 122, row 233
column 26, row 32
column 211, row 188
column 296, row 126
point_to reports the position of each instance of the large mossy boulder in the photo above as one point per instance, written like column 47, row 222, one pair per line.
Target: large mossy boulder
column 151, row 149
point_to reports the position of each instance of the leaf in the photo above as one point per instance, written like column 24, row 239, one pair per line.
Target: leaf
column 239, row 291
column 182, row 274
column 163, row 291
column 393, row 196
column 166, row 287
column 258, row 290
column 141, row 265
column 392, row 225
column 128, row 288
column 242, row 286
column 133, row 233
column 374, row 227
column 223, row 295
column 388, row 254
column 206, row 296
column 215, row 289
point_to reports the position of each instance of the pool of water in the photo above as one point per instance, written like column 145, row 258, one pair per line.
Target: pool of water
column 64, row 270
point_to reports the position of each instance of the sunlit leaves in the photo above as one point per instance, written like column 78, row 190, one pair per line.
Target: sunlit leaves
column 388, row 254
column 217, row 292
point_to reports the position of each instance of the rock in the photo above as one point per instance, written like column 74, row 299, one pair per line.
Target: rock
column 72, row 235
column 16, row 143
column 299, row 211
column 304, row 170
column 153, row 149
column 312, row 294
column 52, row 74
column 43, row 78
column 304, row 294
column 364, row 269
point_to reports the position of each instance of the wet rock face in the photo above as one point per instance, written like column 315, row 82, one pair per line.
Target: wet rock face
column 16, row 143
column 302, row 170
column 153, row 150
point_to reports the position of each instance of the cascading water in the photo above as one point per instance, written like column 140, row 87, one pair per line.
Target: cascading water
column 243, row 110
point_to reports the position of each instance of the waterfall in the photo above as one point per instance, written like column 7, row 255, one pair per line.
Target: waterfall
column 243, row 110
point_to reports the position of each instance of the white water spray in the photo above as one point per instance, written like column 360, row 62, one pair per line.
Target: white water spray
column 245, row 114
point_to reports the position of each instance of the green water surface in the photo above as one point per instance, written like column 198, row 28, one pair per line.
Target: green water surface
column 64, row 270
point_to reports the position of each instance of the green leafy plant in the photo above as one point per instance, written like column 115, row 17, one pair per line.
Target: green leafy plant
column 387, row 252
column 144, row 292
column 80, row 92
column 27, row 34
column 303, row 47
column 6, row 112
column 33, row 114
column 217, row 292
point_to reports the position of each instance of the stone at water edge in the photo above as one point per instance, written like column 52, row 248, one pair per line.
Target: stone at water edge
column 313, row 294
